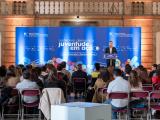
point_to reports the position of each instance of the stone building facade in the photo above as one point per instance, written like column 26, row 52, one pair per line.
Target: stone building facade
column 144, row 13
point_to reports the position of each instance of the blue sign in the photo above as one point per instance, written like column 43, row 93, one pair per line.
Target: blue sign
column 85, row 45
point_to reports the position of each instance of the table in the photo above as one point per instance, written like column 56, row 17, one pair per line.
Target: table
column 81, row 111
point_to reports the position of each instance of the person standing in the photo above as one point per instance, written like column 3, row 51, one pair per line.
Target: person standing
column 111, row 50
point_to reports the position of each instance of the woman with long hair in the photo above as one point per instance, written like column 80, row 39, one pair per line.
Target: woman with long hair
column 143, row 75
column 52, row 81
column 34, row 78
column 101, row 82
column 134, row 81
column 95, row 73
column 136, row 85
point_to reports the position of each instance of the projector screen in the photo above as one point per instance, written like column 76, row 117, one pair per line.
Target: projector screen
column 86, row 45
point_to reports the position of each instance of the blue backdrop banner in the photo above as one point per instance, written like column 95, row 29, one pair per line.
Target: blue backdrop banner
column 86, row 45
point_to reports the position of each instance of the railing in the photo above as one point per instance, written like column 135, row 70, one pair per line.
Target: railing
column 137, row 8
column 156, row 8
column 79, row 7
column 17, row 7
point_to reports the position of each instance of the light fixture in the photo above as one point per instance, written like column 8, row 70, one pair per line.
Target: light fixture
column 78, row 18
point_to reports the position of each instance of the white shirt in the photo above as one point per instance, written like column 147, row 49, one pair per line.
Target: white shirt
column 26, row 84
column 110, row 50
column 121, row 85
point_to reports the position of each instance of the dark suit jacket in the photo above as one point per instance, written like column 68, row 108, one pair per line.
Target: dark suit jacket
column 114, row 50
column 80, row 86
column 79, row 74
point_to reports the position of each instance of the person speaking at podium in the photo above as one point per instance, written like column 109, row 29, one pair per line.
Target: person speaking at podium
column 111, row 53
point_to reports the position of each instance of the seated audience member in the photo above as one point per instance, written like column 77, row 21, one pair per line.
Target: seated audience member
column 43, row 76
column 51, row 69
column 53, row 82
column 74, row 68
column 143, row 75
column 156, row 77
column 34, row 77
column 11, row 81
column 3, row 72
column 66, row 72
column 121, row 85
column 101, row 82
column 138, row 69
column 79, row 74
column 38, row 70
column 135, row 83
column 55, row 62
column 111, row 69
column 95, row 73
column 18, row 71
column 26, row 83
column 158, row 67
column 23, row 69
column 12, row 68
column 10, row 73
column 21, row 66
column 128, row 69
column 29, row 67
column 9, row 84
column 153, row 70
column 61, row 75
column 5, row 95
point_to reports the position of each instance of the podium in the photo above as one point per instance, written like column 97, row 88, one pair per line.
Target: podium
column 110, row 57
column 81, row 111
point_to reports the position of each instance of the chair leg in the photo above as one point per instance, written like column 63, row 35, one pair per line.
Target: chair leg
column 119, row 115
column 127, row 116
column 22, row 114
column 2, row 113
column 148, row 116
column 141, row 117
column 19, row 114
column 39, row 117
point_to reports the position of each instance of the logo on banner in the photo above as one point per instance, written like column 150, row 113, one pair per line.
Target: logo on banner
column 78, row 45
column 32, row 35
